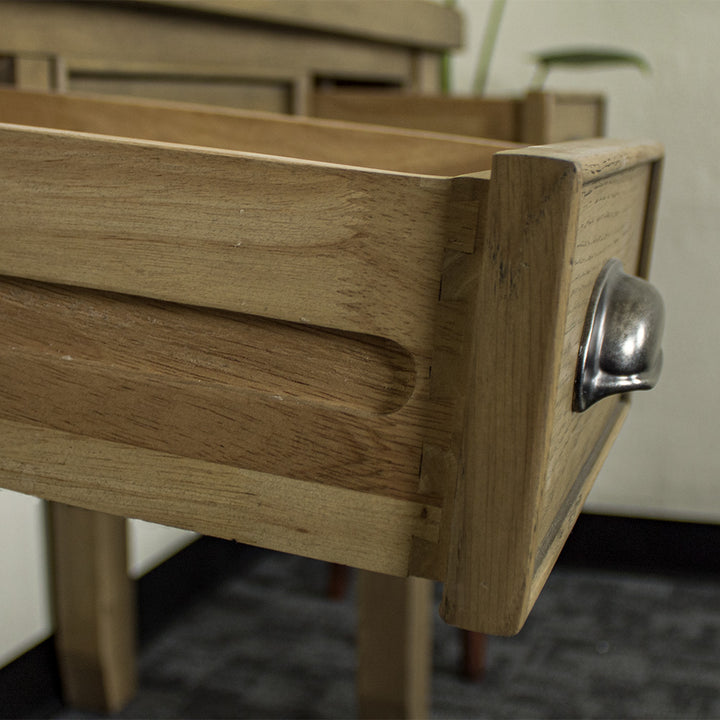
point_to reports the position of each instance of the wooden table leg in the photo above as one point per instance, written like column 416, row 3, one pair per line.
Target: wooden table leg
column 394, row 644
column 95, row 611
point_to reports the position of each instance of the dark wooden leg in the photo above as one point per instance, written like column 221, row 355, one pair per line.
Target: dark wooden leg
column 338, row 581
column 473, row 661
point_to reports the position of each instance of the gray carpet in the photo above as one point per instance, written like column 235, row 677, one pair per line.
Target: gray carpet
column 268, row 644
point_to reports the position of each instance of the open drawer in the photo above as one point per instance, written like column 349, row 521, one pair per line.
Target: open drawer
column 359, row 346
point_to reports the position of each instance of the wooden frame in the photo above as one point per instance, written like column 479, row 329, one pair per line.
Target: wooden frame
column 418, row 419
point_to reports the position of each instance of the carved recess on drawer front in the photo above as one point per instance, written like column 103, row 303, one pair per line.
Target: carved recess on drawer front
column 213, row 385
column 361, row 373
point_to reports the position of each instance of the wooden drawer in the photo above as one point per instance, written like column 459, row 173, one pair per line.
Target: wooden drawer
column 537, row 119
column 353, row 344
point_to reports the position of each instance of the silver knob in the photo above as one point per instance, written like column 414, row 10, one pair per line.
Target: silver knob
column 620, row 347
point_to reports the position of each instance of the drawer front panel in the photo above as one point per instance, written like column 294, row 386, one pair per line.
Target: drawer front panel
column 557, row 214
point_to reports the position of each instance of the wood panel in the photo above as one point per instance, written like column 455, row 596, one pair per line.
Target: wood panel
column 260, row 94
column 605, row 234
column 309, row 519
column 30, row 71
column 556, row 214
column 289, row 247
column 190, row 344
column 338, row 401
column 215, row 84
column 208, row 370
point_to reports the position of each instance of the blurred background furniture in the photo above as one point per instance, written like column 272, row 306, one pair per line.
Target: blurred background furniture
column 246, row 53
column 361, row 60
column 536, row 118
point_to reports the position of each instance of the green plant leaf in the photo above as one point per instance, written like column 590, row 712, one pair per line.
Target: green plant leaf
column 445, row 63
column 583, row 58
column 592, row 56
column 487, row 49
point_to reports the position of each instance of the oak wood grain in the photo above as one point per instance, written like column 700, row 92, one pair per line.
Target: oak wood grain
column 322, row 248
column 252, row 131
column 335, row 524
column 556, row 215
column 366, row 366
column 195, row 345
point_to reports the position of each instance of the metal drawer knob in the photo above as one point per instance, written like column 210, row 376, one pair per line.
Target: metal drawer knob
column 620, row 348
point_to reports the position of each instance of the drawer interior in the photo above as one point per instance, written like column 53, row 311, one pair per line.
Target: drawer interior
column 266, row 133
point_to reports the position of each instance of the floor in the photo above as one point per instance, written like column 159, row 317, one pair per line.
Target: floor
column 268, row 643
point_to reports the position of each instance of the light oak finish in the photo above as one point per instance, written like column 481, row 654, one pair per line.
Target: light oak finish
column 556, row 214
column 95, row 608
column 333, row 291
column 394, row 646
column 372, row 367
column 267, row 55
column 92, row 595
column 536, row 119
column 257, row 132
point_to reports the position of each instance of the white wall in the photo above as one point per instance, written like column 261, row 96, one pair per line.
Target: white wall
column 24, row 609
column 667, row 461
column 25, row 614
